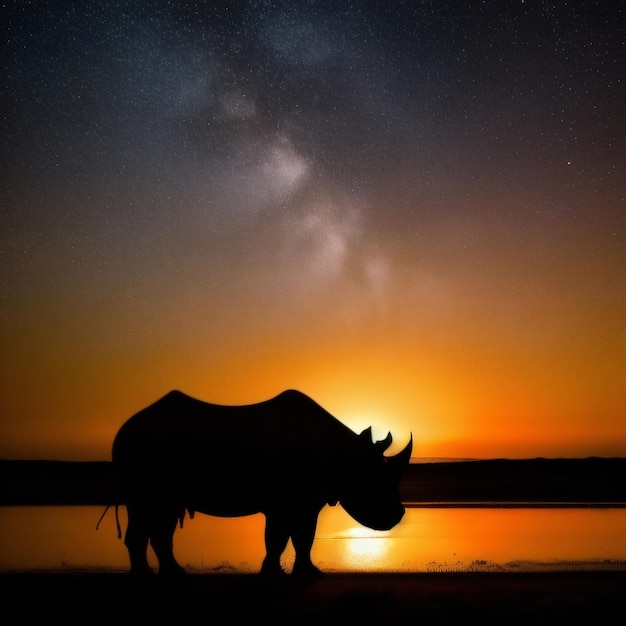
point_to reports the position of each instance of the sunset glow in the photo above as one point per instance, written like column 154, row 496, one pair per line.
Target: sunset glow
column 365, row 548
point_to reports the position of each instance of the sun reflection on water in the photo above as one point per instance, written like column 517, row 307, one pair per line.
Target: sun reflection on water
column 361, row 542
column 362, row 548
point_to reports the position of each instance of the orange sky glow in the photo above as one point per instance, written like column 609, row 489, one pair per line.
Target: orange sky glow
column 462, row 385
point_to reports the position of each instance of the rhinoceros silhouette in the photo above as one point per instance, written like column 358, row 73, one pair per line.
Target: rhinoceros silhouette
column 286, row 457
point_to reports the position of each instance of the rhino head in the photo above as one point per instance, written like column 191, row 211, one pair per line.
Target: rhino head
column 371, row 491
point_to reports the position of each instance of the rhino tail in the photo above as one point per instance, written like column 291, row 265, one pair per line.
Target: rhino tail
column 117, row 519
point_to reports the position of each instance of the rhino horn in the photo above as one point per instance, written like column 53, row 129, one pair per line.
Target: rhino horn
column 383, row 444
column 379, row 446
column 401, row 460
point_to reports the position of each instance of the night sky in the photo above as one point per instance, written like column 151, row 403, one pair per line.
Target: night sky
column 414, row 212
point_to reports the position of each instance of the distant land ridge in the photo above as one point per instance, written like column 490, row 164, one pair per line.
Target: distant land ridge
column 593, row 481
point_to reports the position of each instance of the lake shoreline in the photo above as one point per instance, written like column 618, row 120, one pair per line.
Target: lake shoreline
column 492, row 597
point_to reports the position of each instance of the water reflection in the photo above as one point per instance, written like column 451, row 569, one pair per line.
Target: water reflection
column 361, row 545
column 428, row 539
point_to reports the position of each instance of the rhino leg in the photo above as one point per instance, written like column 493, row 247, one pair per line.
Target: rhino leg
column 276, row 538
column 136, row 540
column 162, row 527
column 279, row 527
column 302, row 536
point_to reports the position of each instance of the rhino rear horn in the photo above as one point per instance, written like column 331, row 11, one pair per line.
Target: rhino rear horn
column 383, row 444
column 401, row 460
column 379, row 446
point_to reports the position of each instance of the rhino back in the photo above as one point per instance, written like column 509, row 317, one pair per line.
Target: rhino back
column 250, row 455
column 289, row 423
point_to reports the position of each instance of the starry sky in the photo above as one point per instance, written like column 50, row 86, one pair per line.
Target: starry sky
column 411, row 211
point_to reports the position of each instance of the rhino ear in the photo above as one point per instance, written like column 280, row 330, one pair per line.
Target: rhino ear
column 366, row 435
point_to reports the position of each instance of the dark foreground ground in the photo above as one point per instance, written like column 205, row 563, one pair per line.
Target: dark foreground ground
column 569, row 597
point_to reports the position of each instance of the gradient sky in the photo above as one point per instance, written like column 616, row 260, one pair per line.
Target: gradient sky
column 414, row 212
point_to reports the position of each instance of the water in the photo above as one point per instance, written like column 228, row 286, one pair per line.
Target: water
column 427, row 539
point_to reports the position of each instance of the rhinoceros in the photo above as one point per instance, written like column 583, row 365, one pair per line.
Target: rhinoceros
column 285, row 457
